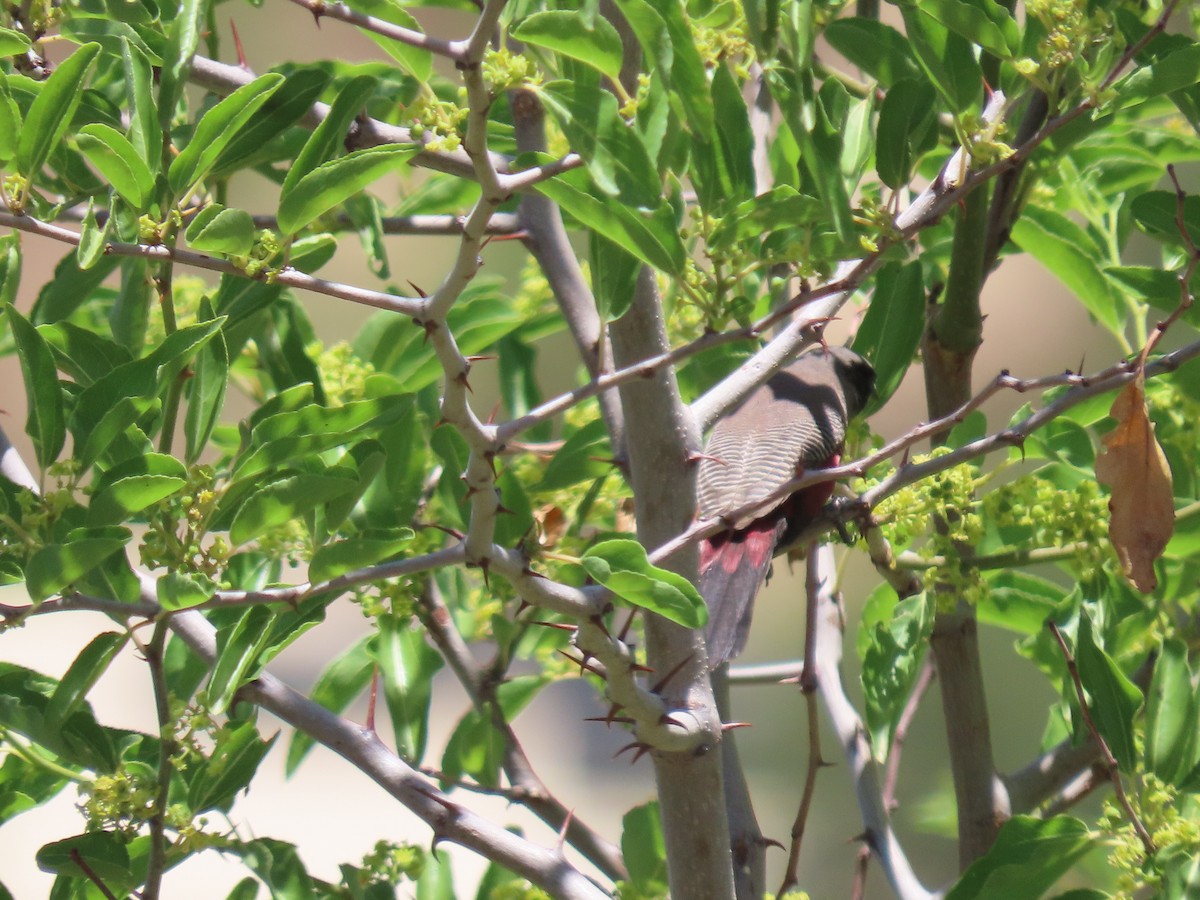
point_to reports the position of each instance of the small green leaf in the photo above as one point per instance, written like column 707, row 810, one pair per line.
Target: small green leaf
column 336, row 181
column 145, row 135
column 644, row 849
column 55, row 566
column 205, row 389
column 622, row 567
column 182, row 40
column 50, row 114
column 416, row 61
column 566, row 32
column 355, row 553
column 283, row 500
column 219, row 126
column 10, row 122
column 13, row 42
column 947, row 58
column 103, row 853
column 93, row 238
column 81, row 677
column 890, row 664
column 216, row 229
column 121, row 499
column 1029, row 855
column 342, row 680
column 238, row 650
column 228, row 769
column 118, row 161
column 891, row 330
column 1172, row 710
column 1175, row 71
column 327, row 137
column 580, row 458
column 876, row 48
column 981, row 22
column 907, row 130
column 46, row 421
column 1156, row 212
column 1114, row 698
column 408, row 664
column 1064, row 248
column 183, row 590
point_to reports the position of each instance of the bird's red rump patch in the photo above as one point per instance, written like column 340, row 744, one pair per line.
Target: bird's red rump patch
column 755, row 544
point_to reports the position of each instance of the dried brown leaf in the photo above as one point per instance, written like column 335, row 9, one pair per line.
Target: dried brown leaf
column 1142, row 507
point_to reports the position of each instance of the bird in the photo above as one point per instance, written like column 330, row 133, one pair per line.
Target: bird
column 794, row 423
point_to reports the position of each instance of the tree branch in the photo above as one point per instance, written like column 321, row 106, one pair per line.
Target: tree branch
column 323, row 8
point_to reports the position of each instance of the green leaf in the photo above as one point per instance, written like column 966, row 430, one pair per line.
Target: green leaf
column 947, row 58
column 1029, row 855
column 735, row 136
column 50, row 114
column 355, row 553
column 214, row 132
column 116, row 159
column 614, row 276
column 408, row 664
column 1172, row 715
column 644, row 849
column 13, row 42
column 907, row 130
column 145, row 135
column 580, row 458
column 104, row 854
column 1064, row 248
column 228, row 769
column 280, row 868
column 121, row 499
column 641, row 236
column 91, row 663
column 891, row 330
column 890, row 663
column 327, row 137
column 284, row 500
column 55, row 566
column 92, row 239
column 216, row 229
column 1176, row 70
column 1019, row 601
column 69, row 288
column 46, row 421
column 622, row 567
column 1156, row 212
column 205, row 389
column 596, row 43
column 618, row 161
column 1115, row 699
column 475, row 747
column 878, row 49
column 10, row 122
column 182, row 40
column 183, row 590
column 283, row 109
column 238, row 650
column 97, row 438
column 344, row 679
column 336, row 181
column 981, row 22
column 416, row 61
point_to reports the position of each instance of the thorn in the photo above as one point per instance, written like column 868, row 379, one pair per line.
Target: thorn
column 445, row 802
column 607, row 460
column 374, row 695
column 609, row 720
column 521, row 607
column 771, row 842
column 638, row 667
column 640, row 749
column 515, row 236
column 795, row 679
column 612, row 714
column 561, row 626
column 461, row 378
column 729, row 726
column 628, row 624
column 694, row 458
column 491, row 419
column 502, row 510
column 662, row 682
column 480, row 358
column 237, row 42
column 420, row 293
column 562, row 832
column 583, row 664
column 317, row 10
column 484, row 565
column 599, row 623
column 668, row 719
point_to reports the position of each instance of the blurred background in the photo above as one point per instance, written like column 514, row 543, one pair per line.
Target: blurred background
column 335, row 814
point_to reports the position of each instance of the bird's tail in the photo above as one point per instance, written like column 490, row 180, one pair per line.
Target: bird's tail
column 732, row 569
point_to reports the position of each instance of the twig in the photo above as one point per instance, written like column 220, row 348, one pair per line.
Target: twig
column 157, row 858
column 288, row 277
column 852, row 735
column 809, row 684
column 766, row 673
column 319, row 8
column 1110, row 761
